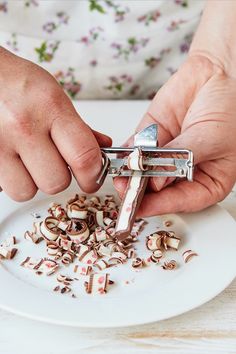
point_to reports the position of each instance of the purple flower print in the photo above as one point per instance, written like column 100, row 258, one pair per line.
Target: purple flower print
column 69, row 83
column 12, row 43
column 93, row 35
column 175, row 25
column 183, row 3
column 132, row 46
column 49, row 27
column 94, row 5
column 28, row 3
column 61, row 18
column 151, row 94
column 93, row 62
column 3, row 6
column 47, row 50
column 118, row 83
column 134, row 90
column 119, row 11
column 185, row 45
column 171, row 70
column 149, row 17
column 152, row 62
column 101, row 7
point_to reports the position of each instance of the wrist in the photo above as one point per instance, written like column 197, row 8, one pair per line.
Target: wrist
column 215, row 37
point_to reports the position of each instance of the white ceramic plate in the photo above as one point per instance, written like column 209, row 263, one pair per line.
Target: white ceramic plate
column 152, row 294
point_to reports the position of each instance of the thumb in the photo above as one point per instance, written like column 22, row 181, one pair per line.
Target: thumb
column 102, row 139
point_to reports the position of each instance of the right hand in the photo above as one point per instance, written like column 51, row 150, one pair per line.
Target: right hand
column 41, row 134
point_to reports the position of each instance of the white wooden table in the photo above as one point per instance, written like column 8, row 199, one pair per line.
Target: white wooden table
column 208, row 329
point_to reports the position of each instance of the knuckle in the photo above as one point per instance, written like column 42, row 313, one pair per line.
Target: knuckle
column 21, row 123
column 221, row 190
column 58, row 187
column 54, row 97
column 85, row 159
column 23, row 195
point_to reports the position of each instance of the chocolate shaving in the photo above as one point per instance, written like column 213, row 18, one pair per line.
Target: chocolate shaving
column 170, row 265
column 138, row 263
column 85, row 231
column 187, row 255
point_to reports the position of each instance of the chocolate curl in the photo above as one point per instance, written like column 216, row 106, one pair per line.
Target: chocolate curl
column 52, row 248
column 99, row 216
column 114, row 261
column 7, row 249
column 138, row 263
column 97, row 283
column 64, row 279
column 41, row 266
column 61, row 278
column 64, row 242
column 109, row 198
column 131, row 253
column 89, row 257
column 47, row 266
column 137, row 227
column 35, row 236
column 169, row 240
column 120, row 255
column 133, row 195
column 170, row 265
column 111, row 245
column 95, row 201
column 83, row 269
column 68, row 257
column 110, row 231
column 103, row 251
column 172, row 242
column 9, row 242
column 63, row 225
column 58, row 255
column 100, row 234
column 76, row 198
column 8, row 253
column 187, row 255
column 65, row 289
column 78, row 231
column 31, row 236
column 108, row 221
column 90, row 220
column 101, row 264
column 57, row 211
column 153, row 241
column 156, row 256
column 49, row 228
column 77, row 211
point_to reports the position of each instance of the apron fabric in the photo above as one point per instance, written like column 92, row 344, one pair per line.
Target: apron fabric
column 102, row 49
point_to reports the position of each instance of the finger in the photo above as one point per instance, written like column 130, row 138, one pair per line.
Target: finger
column 182, row 197
column 102, row 139
column 46, row 166
column 204, row 146
column 185, row 196
column 78, row 146
column 15, row 179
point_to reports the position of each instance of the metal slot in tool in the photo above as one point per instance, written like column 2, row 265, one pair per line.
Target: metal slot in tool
column 180, row 166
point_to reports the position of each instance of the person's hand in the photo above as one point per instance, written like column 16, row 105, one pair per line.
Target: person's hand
column 196, row 110
column 41, row 134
